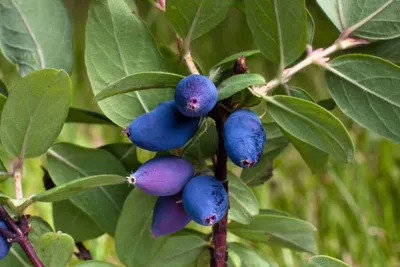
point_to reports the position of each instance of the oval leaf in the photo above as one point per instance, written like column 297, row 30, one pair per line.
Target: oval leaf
column 325, row 261
column 364, row 88
column 248, row 256
column 119, row 44
column 243, row 203
column 23, row 40
column 126, row 153
column 78, row 115
column 279, row 28
column 55, row 249
column 134, row 242
column 140, row 81
column 67, row 163
column 64, row 212
column 237, row 83
column 278, row 230
column 381, row 18
column 192, row 18
column 313, row 125
column 35, row 112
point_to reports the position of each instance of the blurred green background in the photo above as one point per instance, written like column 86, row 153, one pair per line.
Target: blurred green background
column 353, row 206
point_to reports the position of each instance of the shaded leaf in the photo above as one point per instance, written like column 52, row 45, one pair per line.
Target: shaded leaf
column 40, row 227
column 327, row 104
column 229, row 61
column 134, row 243
column 192, row 18
column 119, row 44
column 238, row 83
column 279, row 28
column 278, row 230
column 55, row 249
column 178, row 251
column 365, row 89
column 67, row 216
column 3, row 99
column 95, row 264
column 242, row 201
column 313, row 125
column 4, row 175
column 383, row 25
column 310, row 28
column 387, row 49
column 140, row 81
column 35, row 112
column 126, row 153
column 248, row 256
column 325, row 261
column 86, row 116
column 23, row 40
column 67, row 162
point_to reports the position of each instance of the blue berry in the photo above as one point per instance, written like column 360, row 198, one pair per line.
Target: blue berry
column 4, row 245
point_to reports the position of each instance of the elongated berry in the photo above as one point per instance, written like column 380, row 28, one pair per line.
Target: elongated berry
column 244, row 138
column 205, row 199
column 162, row 176
column 195, row 95
column 4, row 245
column 169, row 215
column 162, row 129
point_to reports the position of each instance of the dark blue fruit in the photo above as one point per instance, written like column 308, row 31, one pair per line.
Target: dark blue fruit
column 205, row 199
column 244, row 138
column 195, row 95
column 162, row 129
column 162, row 176
column 169, row 216
column 4, row 245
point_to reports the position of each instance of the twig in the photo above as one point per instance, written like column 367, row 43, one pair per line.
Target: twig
column 185, row 55
column 219, row 248
column 17, row 174
column 20, row 235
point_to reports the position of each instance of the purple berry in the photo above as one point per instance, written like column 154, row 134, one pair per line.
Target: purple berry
column 169, row 216
column 244, row 138
column 4, row 245
column 195, row 95
column 162, row 176
column 162, row 129
column 205, row 199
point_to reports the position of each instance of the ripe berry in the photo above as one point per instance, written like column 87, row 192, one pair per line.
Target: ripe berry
column 162, row 129
column 162, row 176
column 168, row 216
column 4, row 245
column 205, row 199
column 244, row 138
column 195, row 95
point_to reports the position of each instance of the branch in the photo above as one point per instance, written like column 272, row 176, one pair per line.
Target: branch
column 185, row 55
column 219, row 251
column 318, row 56
column 17, row 174
column 18, row 233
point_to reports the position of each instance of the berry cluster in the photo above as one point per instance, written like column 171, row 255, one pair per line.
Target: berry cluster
column 182, row 195
column 4, row 245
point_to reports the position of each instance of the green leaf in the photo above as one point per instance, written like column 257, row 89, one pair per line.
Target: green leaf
column 126, row 153
column 279, row 28
column 325, row 261
column 364, row 88
column 192, row 18
column 23, row 40
column 387, row 49
column 310, row 28
column 178, row 251
column 55, row 249
column 119, row 44
column 67, row 162
column 40, row 227
column 140, row 81
column 300, row 93
column 204, row 144
column 4, row 174
column 248, row 256
column 313, row 125
column 238, row 83
column 86, row 116
column 67, row 216
column 66, row 190
column 134, row 243
column 378, row 24
column 274, row 145
column 95, row 264
column 35, row 112
column 278, row 230
column 229, row 61
column 327, row 104
column 3, row 99
column 3, row 89
column 242, row 201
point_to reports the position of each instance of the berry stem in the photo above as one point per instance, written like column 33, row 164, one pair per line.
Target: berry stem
column 21, row 235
